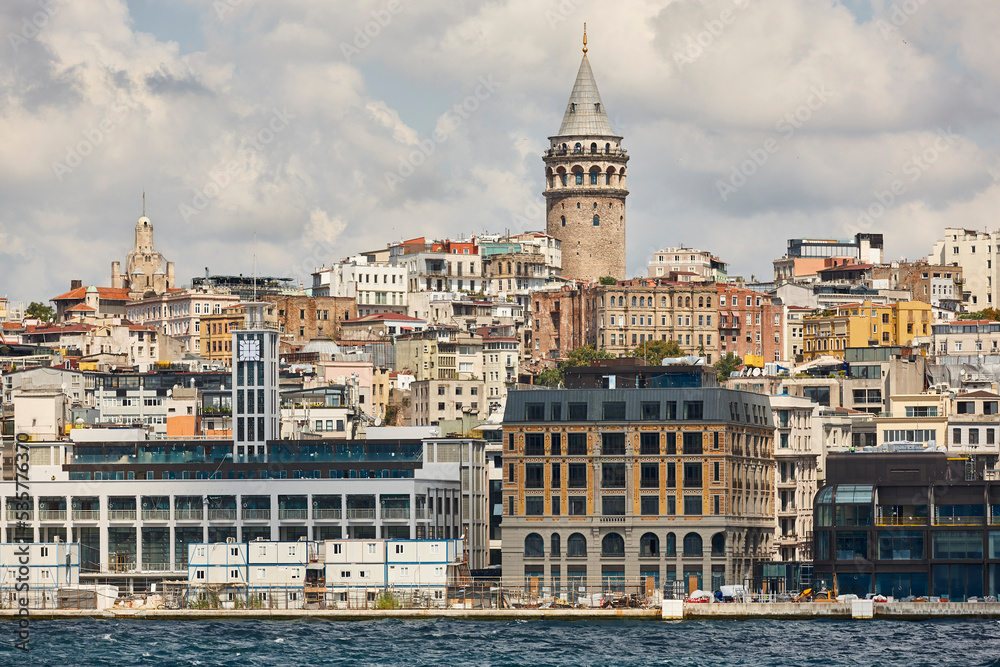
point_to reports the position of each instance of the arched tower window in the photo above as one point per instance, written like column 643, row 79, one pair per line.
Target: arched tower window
column 593, row 147
column 579, row 178
column 593, row 178
column 607, row 148
column 578, row 148
column 562, row 218
column 597, row 221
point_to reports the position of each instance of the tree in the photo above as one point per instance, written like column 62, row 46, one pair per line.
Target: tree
column 727, row 365
column 608, row 280
column 986, row 314
column 581, row 356
column 655, row 351
column 39, row 311
column 550, row 377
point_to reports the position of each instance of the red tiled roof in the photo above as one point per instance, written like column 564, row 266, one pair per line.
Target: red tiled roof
column 109, row 293
column 80, row 307
column 978, row 394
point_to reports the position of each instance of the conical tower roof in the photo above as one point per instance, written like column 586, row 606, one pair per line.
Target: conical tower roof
column 585, row 112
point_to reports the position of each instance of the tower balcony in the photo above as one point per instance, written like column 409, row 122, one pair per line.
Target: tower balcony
column 571, row 152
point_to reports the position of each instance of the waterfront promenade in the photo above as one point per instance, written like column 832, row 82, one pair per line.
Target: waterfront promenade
column 731, row 611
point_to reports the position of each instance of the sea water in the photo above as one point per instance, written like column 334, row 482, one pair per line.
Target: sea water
column 253, row 643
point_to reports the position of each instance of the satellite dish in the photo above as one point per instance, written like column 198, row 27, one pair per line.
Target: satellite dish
column 756, row 372
column 378, row 421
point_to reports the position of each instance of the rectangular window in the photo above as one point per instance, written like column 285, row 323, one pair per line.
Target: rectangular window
column 649, row 444
column 534, row 506
column 693, row 443
column 614, row 411
column 692, row 410
column 649, row 505
column 692, row 505
column 534, row 444
column 577, row 412
column 649, row 411
column 671, row 443
column 852, row 545
column 556, row 476
column 512, row 472
column 613, row 505
column 613, row 444
column 577, row 505
column 555, row 444
column 958, row 544
column 715, row 471
column 556, row 510
column 556, row 411
column 533, row 412
column 576, row 476
column 649, row 475
column 613, row 475
column 901, row 545
column 671, row 475
column 692, row 476
column 533, row 476
column 576, row 444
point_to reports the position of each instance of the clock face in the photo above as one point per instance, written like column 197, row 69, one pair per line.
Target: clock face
column 249, row 349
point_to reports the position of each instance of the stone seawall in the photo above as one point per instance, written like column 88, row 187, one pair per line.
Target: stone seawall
column 677, row 611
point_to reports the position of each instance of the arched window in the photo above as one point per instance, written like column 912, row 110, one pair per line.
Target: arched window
column 562, row 219
column 621, row 302
column 554, row 550
column 663, row 302
column 708, row 302
column 593, row 178
column 671, row 544
column 719, row 544
column 633, row 302
column 701, row 302
column 578, row 148
column 576, row 545
column 687, row 302
column 593, row 147
column 607, row 148
column 607, row 179
column 534, row 546
column 597, row 221
column 579, row 178
column 642, row 302
column 649, row 545
column 692, row 545
column 613, row 545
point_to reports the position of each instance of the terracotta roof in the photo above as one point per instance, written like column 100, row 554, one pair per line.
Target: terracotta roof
column 978, row 394
column 11, row 325
column 846, row 267
column 81, row 307
column 110, row 293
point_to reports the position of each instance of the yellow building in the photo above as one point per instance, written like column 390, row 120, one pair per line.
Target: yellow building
column 216, row 339
column 864, row 325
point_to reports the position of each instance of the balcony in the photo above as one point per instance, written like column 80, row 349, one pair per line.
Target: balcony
column 362, row 514
column 86, row 515
column 958, row 521
column 901, row 521
column 336, row 513
column 156, row 567
column 222, row 515
column 396, row 513
column 52, row 515
column 156, row 515
column 612, row 519
column 121, row 515
column 421, row 513
column 189, row 514
column 251, row 514
column 25, row 515
column 293, row 514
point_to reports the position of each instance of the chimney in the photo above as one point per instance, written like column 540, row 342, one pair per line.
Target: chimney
column 75, row 284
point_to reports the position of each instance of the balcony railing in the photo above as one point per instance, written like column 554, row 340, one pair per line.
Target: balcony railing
column 156, row 567
column 250, row 514
column 363, row 514
column 156, row 515
column 121, row 515
column 52, row 515
column 293, row 514
column 189, row 514
column 86, row 515
column 327, row 513
column 395, row 512
column 612, row 519
column 222, row 515
column 420, row 513
column 900, row 521
column 20, row 515
column 958, row 521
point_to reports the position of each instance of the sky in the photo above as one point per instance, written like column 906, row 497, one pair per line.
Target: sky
column 308, row 131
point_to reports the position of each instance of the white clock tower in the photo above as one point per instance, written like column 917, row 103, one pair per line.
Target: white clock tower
column 255, row 386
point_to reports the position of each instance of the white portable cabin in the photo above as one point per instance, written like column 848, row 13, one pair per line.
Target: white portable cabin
column 49, row 566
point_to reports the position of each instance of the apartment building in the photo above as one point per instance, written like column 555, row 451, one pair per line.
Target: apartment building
column 440, row 354
column 864, row 325
column 704, row 266
column 750, row 325
column 665, row 476
column 376, row 287
column 976, row 254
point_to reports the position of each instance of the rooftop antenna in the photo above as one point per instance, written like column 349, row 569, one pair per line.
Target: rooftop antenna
column 255, row 265
column 144, row 203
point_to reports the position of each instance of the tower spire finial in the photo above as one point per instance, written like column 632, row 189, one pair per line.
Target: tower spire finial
column 584, row 37
column 144, row 203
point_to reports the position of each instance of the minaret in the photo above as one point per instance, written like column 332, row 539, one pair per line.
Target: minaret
column 585, row 184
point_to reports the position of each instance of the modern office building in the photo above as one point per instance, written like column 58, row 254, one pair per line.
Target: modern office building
column 908, row 522
column 637, row 471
